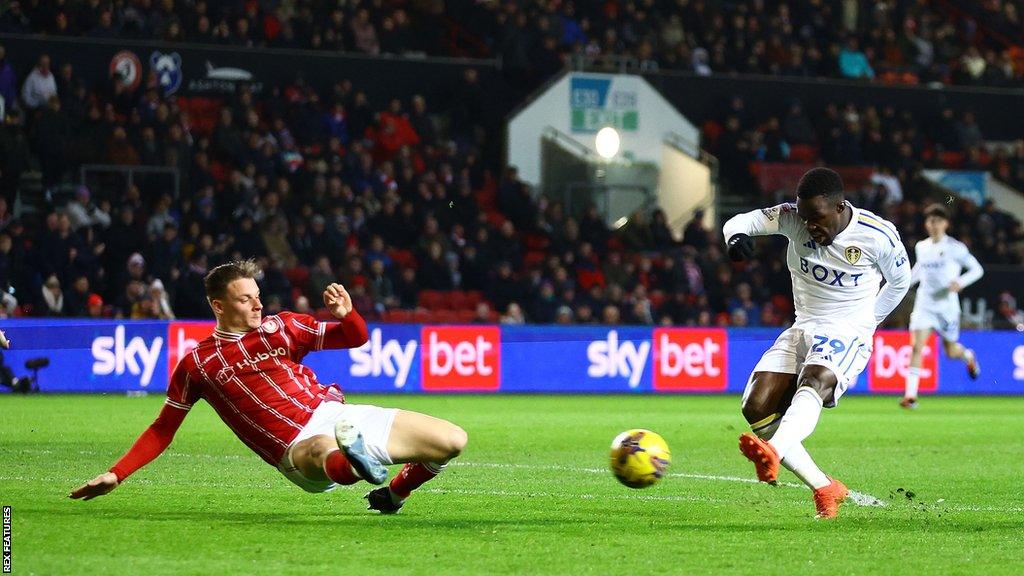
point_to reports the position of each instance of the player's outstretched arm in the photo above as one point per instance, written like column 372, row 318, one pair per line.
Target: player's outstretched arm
column 151, row 443
column 98, row 486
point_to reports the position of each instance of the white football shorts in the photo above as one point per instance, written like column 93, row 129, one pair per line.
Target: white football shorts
column 943, row 319
column 373, row 422
column 841, row 349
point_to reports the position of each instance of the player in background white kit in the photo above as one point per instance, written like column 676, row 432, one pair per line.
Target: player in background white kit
column 838, row 255
column 938, row 263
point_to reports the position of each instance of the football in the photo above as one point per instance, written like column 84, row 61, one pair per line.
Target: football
column 639, row 458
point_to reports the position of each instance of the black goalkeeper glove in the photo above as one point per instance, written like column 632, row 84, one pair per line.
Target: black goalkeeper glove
column 741, row 247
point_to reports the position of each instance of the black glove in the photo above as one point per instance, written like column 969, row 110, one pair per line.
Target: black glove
column 741, row 247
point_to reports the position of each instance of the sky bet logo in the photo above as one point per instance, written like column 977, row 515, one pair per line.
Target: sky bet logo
column 690, row 360
column 377, row 358
column 461, row 358
column 610, row 358
column 115, row 355
column 891, row 360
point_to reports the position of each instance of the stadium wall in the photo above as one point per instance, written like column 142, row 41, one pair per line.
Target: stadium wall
column 701, row 98
column 213, row 70
column 133, row 357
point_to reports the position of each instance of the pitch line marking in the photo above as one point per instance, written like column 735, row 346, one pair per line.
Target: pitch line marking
column 865, row 499
column 858, row 498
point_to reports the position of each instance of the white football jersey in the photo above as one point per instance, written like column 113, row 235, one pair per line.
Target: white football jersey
column 939, row 264
column 838, row 283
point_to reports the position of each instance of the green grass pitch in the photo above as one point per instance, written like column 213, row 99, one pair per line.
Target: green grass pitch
column 531, row 494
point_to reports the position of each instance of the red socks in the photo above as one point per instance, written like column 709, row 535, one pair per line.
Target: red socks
column 412, row 476
column 338, row 469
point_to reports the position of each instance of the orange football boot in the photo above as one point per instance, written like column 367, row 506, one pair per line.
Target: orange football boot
column 763, row 455
column 973, row 368
column 828, row 498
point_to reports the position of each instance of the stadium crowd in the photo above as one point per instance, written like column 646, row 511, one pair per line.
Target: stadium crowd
column 898, row 144
column 393, row 199
column 900, row 41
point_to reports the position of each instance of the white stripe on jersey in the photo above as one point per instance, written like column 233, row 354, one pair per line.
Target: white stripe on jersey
column 253, row 396
column 266, row 342
column 267, row 378
column 213, row 386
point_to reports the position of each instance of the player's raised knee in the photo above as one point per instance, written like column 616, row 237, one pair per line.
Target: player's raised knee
column 456, row 441
column 756, row 409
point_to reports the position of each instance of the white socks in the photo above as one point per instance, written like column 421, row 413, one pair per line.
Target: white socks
column 913, row 378
column 799, row 421
column 798, row 460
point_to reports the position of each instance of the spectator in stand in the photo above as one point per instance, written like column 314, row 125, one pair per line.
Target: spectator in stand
column 8, row 85
column 84, row 213
column 40, row 85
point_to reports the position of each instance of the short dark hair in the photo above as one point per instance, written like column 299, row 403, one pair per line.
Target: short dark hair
column 820, row 182
column 218, row 279
column 937, row 210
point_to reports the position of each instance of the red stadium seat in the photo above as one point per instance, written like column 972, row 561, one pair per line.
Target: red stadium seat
column 432, row 299
column 952, row 159
column 534, row 259
column 535, row 241
column 457, row 300
column 403, row 258
column 298, row 277
column 474, row 297
column 803, row 153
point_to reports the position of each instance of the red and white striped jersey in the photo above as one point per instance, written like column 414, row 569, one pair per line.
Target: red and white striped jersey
column 255, row 380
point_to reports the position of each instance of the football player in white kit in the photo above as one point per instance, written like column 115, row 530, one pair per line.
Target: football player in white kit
column 838, row 255
column 939, row 261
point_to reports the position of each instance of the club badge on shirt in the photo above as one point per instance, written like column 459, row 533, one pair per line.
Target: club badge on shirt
column 853, row 254
column 269, row 326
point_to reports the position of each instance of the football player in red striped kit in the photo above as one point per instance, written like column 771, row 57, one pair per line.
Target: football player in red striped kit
column 249, row 370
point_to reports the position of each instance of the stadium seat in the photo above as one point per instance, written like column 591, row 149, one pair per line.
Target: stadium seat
column 951, row 159
column 403, row 258
column 432, row 299
column 803, row 153
column 298, row 276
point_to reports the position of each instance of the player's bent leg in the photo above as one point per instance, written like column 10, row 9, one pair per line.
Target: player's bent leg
column 417, row 437
column 918, row 338
column 320, row 464
column 816, row 388
column 957, row 351
column 425, row 444
column 767, row 396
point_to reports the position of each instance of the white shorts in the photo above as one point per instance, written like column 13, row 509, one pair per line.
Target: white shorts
column 944, row 320
column 373, row 422
column 841, row 349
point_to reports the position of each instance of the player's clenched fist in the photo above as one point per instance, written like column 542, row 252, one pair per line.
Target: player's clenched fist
column 337, row 301
column 741, row 247
column 98, row 486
